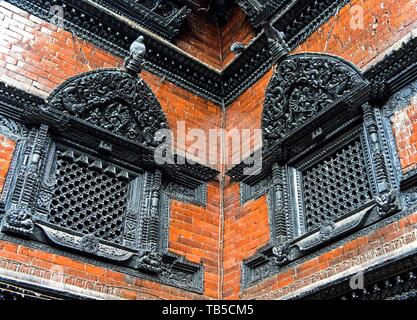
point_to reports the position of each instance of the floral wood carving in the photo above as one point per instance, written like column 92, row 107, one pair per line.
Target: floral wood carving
column 302, row 86
column 113, row 100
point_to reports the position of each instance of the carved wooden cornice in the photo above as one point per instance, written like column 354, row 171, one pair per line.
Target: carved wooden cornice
column 297, row 21
column 113, row 34
column 163, row 17
column 388, row 280
column 261, row 10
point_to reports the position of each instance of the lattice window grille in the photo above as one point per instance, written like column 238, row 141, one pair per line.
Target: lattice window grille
column 335, row 186
column 90, row 197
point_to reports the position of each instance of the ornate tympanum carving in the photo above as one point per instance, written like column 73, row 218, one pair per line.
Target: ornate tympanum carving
column 113, row 100
column 303, row 86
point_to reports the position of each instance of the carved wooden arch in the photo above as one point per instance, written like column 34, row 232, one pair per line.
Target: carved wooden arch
column 114, row 100
column 302, row 87
column 319, row 128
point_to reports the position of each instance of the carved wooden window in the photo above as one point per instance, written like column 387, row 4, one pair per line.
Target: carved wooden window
column 84, row 178
column 335, row 185
column 329, row 184
column 92, row 197
column 342, row 183
column 327, row 168
column 89, row 200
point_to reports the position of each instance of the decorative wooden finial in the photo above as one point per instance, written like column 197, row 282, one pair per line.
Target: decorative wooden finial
column 237, row 48
column 134, row 61
column 276, row 40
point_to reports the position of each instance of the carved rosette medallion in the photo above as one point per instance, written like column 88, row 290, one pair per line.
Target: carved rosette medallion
column 90, row 244
column 327, row 231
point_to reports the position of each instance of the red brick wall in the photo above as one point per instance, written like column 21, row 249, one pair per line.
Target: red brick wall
column 405, row 132
column 194, row 233
column 211, row 43
column 246, row 229
column 201, row 39
column 385, row 22
column 7, row 147
column 237, row 29
column 246, row 112
column 36, row 54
